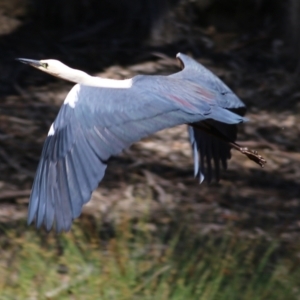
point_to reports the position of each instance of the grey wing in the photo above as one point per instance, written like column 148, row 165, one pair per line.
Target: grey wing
column 68, row 171
column 206, row 146
column 195, row 72
column 96, row 123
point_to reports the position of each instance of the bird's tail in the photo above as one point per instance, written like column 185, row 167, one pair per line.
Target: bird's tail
column 224, row 115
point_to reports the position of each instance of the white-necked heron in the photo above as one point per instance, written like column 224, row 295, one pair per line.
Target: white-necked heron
column 101, row 117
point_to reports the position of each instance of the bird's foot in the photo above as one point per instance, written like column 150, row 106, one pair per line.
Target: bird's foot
column 253, row 155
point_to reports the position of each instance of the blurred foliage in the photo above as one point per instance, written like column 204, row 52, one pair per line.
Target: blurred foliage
column 133, row 263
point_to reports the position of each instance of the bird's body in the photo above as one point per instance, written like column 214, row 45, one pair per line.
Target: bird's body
column 101, row 117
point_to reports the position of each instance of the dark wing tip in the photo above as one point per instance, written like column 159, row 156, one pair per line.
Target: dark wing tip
column 209, row 153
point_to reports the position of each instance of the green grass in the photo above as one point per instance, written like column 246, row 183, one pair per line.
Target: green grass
column 135, row 263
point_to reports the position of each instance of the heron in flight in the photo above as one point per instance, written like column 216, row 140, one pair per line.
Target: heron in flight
column 101, row 117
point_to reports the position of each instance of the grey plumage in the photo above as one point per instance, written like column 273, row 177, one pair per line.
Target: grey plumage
column 206, row 145
column 104, row 121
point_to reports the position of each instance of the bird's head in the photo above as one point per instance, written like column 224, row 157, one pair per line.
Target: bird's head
column 60, row 70
column 50, row 66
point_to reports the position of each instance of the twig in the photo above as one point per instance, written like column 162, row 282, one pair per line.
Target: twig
column 65, row 286
column 14, row 194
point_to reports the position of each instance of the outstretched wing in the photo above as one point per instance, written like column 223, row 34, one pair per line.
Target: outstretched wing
column 207, row 147
column 96, row 123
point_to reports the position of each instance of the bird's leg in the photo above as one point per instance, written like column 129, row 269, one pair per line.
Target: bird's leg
column 251, row 154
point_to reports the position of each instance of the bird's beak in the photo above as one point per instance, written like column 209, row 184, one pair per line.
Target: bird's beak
column 31, row 62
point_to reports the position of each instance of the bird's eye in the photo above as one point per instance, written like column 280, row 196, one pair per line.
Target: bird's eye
column 45, row 65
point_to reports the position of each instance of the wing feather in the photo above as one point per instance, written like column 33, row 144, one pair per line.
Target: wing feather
column 74, row 186
column 63, row 210
column 207, row 147
column 103, row 122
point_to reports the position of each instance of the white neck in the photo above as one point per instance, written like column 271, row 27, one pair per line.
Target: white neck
column 83, row 78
